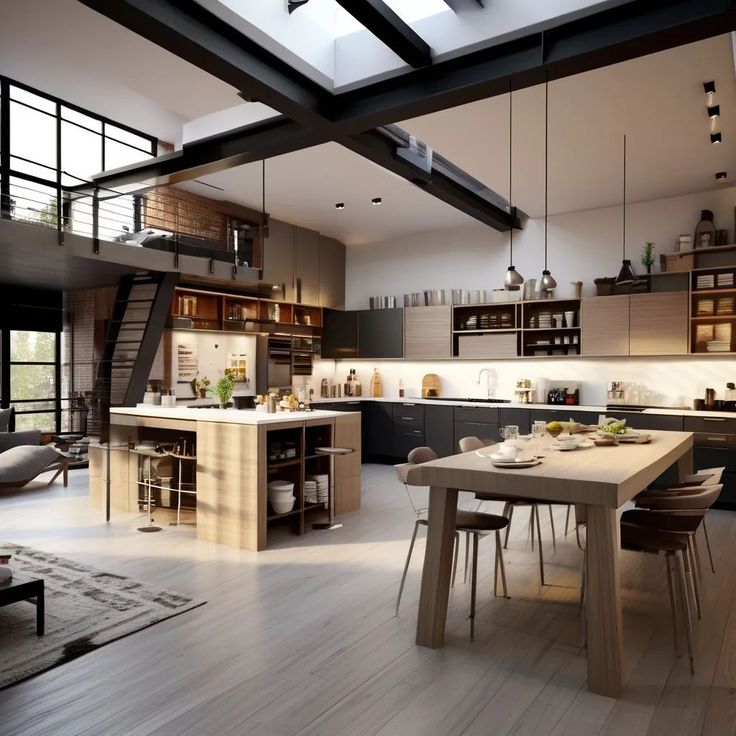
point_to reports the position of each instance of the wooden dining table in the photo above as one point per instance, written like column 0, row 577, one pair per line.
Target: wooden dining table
column 598, row 480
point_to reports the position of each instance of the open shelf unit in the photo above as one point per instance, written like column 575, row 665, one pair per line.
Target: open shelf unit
column 713, row 309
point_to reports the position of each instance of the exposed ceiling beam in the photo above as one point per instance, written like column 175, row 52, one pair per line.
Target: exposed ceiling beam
column 199, row 37
column 385, row 25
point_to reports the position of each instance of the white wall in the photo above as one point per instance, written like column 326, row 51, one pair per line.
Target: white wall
column 582, row 246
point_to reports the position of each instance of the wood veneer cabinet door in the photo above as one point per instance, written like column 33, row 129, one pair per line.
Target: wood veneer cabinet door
column 659, row 323
column 605, row 325
column 347, row 467
column 306, row 265
column 331, row 273
column 427, row 332
column 278, row 257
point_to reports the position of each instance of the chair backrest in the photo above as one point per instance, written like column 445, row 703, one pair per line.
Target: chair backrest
column 716, row 474
column 702, row 497
column 469, row 444
column 421, row 455
column 416, row 457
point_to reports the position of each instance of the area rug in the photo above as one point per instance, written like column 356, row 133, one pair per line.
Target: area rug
column 85, row 609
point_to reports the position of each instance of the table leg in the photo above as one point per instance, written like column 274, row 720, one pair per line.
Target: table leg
column 40, row 612
column 437, row 571
column 685, row 464
column 603, row 597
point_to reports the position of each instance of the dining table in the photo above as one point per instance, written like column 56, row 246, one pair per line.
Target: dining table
column 598, row 480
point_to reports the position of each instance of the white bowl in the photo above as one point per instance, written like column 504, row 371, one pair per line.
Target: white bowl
column 282, row 506
column 280, row 485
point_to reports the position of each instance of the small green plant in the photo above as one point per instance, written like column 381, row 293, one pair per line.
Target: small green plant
column 647, row 255
column 224, row 388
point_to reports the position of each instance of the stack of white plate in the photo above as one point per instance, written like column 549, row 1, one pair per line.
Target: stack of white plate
column 718, row 346
column 322, row 481
column 281, row 496
column 310, row 491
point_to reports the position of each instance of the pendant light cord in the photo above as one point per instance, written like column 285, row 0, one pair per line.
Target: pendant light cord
column 623, row 231
column 511, row 207
column 546, row 141
column 263, row 195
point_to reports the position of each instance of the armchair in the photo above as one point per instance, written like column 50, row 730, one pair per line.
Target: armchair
column 23, row 457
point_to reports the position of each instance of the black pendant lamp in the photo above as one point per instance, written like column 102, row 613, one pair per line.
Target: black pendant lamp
column 514, row 279
column 626, row 274
column 547, row 282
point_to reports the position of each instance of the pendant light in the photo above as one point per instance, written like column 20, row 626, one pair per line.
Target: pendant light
column 547, row 282
column 626, row 274
column 514, row 279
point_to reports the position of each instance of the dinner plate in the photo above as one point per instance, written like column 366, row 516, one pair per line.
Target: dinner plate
column 581, row 445
column 640, row 438
column 517, row 463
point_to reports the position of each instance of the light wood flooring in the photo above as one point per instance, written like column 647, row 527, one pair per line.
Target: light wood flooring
column 302, row 638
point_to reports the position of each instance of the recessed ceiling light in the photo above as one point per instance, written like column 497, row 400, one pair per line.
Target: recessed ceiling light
column 709, row 87
column 715, row 137
column 714, row 111
column 376, row 201
column 721, row 175
column 340, row 205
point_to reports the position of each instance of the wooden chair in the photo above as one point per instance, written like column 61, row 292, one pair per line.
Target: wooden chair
column 472, row 523
column 471, row 444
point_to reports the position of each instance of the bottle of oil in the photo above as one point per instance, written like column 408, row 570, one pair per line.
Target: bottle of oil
column 376, row 384
column 357, row 388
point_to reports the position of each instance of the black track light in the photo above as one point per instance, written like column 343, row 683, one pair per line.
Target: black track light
column 292, row 5
column 714, row 111
column 340, row 206
column 376, row 201
column 721, row 175
column 709, row 87
column 715, row 137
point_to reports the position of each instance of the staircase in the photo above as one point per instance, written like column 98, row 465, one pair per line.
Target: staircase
column 133, row 336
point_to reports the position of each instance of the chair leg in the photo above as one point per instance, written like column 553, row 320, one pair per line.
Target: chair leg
column 567, row 519
column 673, row 607
column 406, row 566
column 690, row 571
column 455, row 555
column 686, row 607
column 707, row 544
column 531, row 523
column 467, row 556
column 535, row 512
column 552, row 526
column 583, row 610
column 499, row 563
column 696, row 552
column 473, row 585
column 508, row 528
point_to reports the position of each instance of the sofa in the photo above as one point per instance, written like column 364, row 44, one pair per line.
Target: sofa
column 23, row 457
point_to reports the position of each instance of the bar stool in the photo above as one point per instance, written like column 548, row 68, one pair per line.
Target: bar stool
column 332, row 453
column 146, row 456
column 189, row 487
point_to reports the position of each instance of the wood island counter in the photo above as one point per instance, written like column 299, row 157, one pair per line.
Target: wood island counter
column 237, row 454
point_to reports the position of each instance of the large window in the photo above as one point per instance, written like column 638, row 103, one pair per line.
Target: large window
column 49, row 149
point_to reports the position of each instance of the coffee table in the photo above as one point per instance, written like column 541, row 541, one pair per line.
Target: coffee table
column 21, row 589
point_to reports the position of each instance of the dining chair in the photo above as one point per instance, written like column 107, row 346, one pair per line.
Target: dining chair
column 709, row 476
column 471, row 444
column 472, row 523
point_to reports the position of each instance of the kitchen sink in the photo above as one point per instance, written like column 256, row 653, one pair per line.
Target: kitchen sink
column 475, row 401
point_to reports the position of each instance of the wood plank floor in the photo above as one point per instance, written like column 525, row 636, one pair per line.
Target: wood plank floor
column 302, row 639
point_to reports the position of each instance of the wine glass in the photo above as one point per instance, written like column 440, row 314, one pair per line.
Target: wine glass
column 538, row 430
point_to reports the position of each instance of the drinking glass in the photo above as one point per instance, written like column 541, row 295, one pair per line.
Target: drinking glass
column 510, row 432
column 538, row 429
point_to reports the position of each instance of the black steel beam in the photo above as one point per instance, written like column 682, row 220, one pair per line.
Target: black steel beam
column 608, row 37
column 385, row 25
column 199, row 37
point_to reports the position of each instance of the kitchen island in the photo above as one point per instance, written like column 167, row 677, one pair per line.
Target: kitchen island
column 238, row 453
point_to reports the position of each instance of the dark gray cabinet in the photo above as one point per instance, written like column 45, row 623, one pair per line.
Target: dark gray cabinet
column 331, row 273
column 561, row 414
column 378, row 428
column 439, row 432
column 278, row 258
column 340, row 334
column 520, row 417
column 380, row 333
column 408, row 428
column 639, row 420
column 306, row 266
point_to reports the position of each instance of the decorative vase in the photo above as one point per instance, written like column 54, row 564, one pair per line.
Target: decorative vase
column 203, row 393
column 578, row 285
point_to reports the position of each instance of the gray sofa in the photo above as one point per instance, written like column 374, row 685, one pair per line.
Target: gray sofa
column 23, row 457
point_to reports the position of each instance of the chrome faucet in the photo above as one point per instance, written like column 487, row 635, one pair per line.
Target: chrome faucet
column 487, row 371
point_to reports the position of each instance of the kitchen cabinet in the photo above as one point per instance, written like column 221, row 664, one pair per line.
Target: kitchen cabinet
column 560, row 414
column 476, row 421
column 428, row 333
column 719, row 457
column 439, row 432
column 278, row 258
column 658, row 323
column 408, row 428
column 380, row 333
column 340, row 335
column 519, row 417
column 306, row 266
column 605, row 325
column 378, row 430
column 638, row 420
column 331, row 273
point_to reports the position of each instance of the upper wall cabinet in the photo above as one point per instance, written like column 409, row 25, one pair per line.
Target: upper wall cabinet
column 278, row 258
column 340, row 335
column 605, row 323
column 380, row 333
column 306, row 265
column 331, row 273
column 428, row 333
column 659, row 323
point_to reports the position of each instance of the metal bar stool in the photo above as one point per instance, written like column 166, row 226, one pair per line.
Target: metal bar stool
column 189, row 487
column 146, row 456
column 332, row 453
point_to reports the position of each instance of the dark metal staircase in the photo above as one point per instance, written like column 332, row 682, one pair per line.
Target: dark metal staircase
column 133, row 336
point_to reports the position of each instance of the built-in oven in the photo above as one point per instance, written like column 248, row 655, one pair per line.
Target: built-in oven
column 278, row 364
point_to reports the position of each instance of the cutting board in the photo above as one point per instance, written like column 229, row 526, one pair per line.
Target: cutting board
column 430, row 385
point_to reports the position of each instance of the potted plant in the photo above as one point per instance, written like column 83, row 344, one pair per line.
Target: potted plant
column 647, row 256
column 200, row 386
column 223, row 389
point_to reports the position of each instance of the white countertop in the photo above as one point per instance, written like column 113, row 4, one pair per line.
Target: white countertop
column 673, row 411
column 228, row 416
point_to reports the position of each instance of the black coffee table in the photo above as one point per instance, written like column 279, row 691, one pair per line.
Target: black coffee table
column 21, row 589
